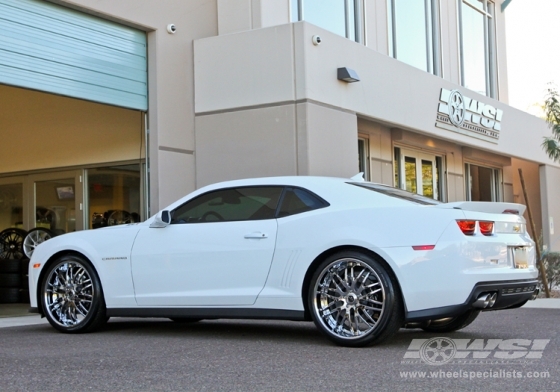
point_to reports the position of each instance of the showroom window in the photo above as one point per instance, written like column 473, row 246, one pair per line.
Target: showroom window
column 227, row 205
column 477, row 39
column 339, row 16
column 483, row 183
column 418, row 172
column 114, row 195
column 11, row 206
column 413, row 33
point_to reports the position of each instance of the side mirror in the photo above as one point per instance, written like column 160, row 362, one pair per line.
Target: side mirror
column 162, row 219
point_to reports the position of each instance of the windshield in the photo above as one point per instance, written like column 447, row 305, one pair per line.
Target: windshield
column 396, row 192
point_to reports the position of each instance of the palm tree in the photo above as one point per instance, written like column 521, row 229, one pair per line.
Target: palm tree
column 551, row 145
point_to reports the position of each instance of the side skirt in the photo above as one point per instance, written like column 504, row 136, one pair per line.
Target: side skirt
column 209, row 313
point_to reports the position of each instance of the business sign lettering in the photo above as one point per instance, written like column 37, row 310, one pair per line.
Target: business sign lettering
column 459, row 113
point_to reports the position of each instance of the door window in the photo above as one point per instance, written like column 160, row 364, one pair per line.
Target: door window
column 419, row 173
column 233, row 204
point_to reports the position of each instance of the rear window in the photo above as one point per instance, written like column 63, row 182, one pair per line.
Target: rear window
column 397, row 193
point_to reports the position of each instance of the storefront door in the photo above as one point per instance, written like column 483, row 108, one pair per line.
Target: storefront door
column 418, row 173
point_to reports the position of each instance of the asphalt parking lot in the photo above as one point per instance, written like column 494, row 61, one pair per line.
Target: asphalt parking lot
column 241, row 355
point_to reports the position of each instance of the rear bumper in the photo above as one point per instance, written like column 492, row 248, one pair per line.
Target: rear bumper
column 510, row 294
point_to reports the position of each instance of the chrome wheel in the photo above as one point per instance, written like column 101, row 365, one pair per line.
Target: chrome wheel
column 349, row 298
column 35, row 237
column 354, row 299
column 69, row 294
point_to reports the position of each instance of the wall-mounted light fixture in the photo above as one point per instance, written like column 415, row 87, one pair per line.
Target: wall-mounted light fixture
column 347, row 75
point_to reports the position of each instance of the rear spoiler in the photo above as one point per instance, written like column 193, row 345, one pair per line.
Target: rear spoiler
column 486, row 206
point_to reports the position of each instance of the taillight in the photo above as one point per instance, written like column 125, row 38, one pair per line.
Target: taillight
column 486, row 227
column 467, row 226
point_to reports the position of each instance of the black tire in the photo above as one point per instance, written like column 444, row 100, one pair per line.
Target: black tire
column 11, row 243
column 455, row 324
column 34, row 238
column 9, row 266
column 78, row 309
column 24, row 296
column 184, row 319
column 10, row 281
column 24, row 270
column 9, row 296
column 24, row 266
column 344, row 309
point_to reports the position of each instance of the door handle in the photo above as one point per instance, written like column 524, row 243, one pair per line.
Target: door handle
column 256, row 235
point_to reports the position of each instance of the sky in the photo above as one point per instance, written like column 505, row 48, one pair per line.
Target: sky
column 532, row 43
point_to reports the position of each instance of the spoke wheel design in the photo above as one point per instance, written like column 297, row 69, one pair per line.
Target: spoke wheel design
column 353, row 300
column 72, row 298
column 438, row 351
column 119, row 217
column 11, row 243
column 34, row 238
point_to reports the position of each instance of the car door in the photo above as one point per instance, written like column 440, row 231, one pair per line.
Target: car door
column 217, row 250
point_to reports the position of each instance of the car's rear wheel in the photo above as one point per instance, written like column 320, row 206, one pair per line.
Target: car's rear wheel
column 354, row 301
column 72, row 297
column 453, row 323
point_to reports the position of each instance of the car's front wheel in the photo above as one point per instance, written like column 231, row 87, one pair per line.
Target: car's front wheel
column 71, row 295
column 354, row 301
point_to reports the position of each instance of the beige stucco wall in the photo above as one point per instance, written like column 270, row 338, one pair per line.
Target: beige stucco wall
column 246, row 143
column 44, row 131
column 392, row 92
column 241, row 15
column 327, row 141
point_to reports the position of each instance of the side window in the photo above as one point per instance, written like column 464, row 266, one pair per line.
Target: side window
column 298, row 200
column 233, row 204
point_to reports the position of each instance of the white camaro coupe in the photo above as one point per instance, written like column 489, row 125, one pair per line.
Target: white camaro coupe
column 359, row 259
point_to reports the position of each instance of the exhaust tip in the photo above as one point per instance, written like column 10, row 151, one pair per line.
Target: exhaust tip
column 482, row 301
column 493, row 299
column 535, row 294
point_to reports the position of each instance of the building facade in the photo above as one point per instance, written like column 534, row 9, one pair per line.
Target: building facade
column 412, row 93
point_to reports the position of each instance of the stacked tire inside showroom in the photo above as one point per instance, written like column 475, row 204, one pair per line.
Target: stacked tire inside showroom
column 14, row 285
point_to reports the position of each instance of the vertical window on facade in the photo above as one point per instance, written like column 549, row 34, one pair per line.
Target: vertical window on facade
column 483, row 183
column 419, row 173
column 363, row 157
column 413, row 33
column 477, row 46
column 338, row 16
